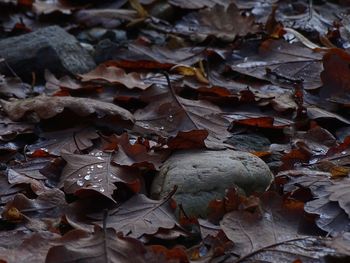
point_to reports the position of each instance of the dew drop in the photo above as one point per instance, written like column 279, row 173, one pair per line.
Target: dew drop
column 170, row 118
column 161, row 128
column 79, row 175
column 80, row 182
column 95, row 177
column 101, row 189
column 99, row 180
column 87, row 177
column 100, row 158
column 146, row 126
column 94, row 186
column 99, row 166
column 114, row 177
column 343, row 152
column 92, row 166
column 88, row 172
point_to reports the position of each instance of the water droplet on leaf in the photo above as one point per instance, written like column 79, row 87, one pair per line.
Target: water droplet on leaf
column 80, row 182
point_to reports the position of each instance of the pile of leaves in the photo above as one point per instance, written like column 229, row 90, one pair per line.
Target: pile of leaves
column 79, row 153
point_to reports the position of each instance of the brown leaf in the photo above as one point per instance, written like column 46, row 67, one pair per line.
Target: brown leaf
column 48, row 205
column 115, row 75
column 172, row 114
column 70, row 140
column 330, row 203
column 335, row 76
column 29, row 247
column 10, row 129
column 48, row 107
column 275, row 228
column 225, row 23
column 286, row 64
column 135, row 155
column 188, row 140
column 94, row 172
column 140, row 215
column 101, row 246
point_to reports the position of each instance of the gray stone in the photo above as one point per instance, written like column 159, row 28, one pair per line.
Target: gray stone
column 49, row 48
column 202, row 176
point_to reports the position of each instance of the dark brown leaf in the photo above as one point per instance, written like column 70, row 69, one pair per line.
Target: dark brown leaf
column 140, row 215
column 225, row 23
column 99, row 247
column 94, row 172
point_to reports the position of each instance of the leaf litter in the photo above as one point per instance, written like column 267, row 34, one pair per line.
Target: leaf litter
column 79, row 152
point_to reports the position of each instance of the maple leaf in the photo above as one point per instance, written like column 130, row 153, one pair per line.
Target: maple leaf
column 94, row 172
column 140, row 215
column 115, row 75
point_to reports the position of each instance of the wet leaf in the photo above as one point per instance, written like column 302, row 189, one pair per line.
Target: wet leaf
column 281, row 63
column 221, row 22
column 104, row 245
column 47, row 107
column 70, row 140
column 140, row 215
column 93, row 172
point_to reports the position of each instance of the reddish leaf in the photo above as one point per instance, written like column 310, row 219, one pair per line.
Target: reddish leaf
column 135, row 155
column 335, row 76
column 188, row 140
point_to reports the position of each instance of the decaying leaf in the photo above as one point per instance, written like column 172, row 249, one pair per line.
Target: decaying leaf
column 115, row 75
column 47, row 107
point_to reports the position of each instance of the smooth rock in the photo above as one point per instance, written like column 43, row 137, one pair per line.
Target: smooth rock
column 202, row 176
column 49, row 48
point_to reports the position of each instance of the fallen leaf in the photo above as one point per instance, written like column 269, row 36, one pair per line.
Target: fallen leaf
column 115, row 75
column 47, row 107
column 95, row 172
column 224, row 23
column 140, row 215
column 136, row 154
column 104, row 245
column 70, row 140
column 281, row 63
